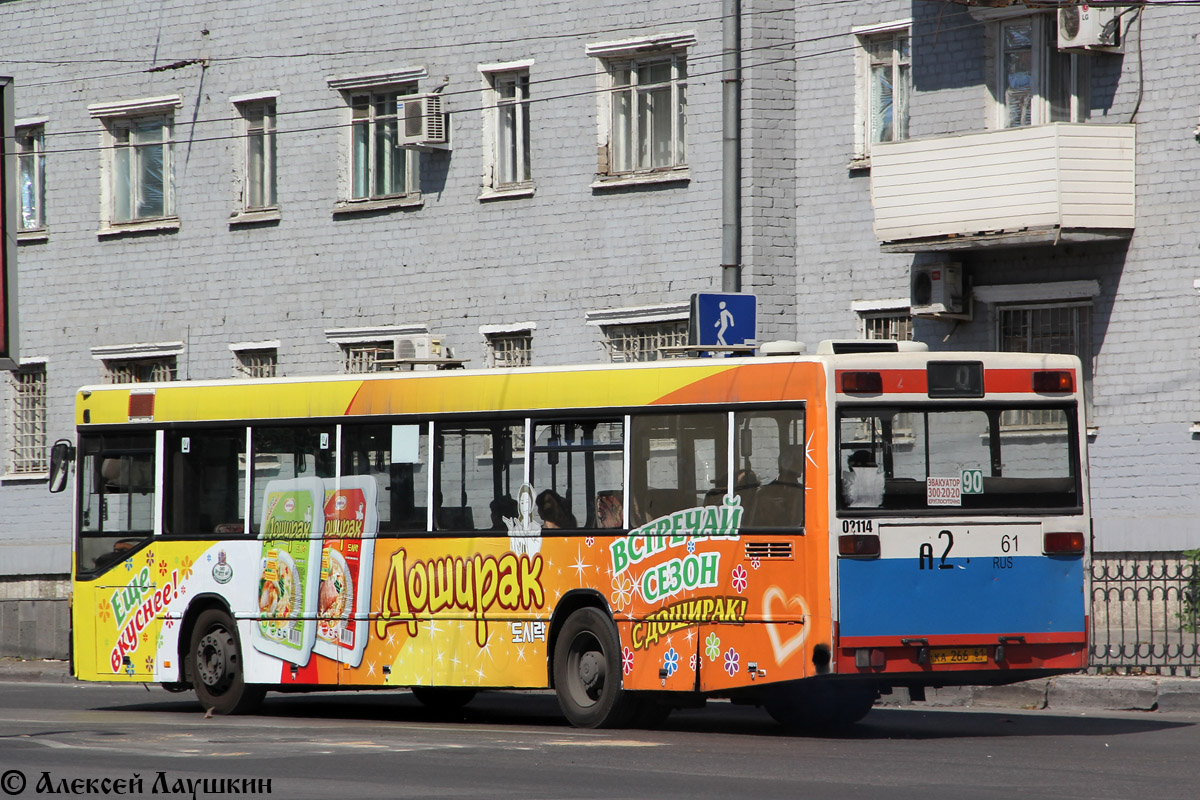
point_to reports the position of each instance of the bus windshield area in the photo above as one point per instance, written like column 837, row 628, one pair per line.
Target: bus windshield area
column 951, row 459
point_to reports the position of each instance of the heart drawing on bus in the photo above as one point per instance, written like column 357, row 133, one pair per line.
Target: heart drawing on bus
column 784, row 648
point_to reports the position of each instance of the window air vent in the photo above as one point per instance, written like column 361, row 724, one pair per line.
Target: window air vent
column 775, row 550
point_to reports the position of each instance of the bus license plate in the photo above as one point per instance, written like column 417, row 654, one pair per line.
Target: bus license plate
column 958, row 655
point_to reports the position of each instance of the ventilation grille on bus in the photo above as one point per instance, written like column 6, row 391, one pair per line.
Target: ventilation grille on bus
column 761, row 550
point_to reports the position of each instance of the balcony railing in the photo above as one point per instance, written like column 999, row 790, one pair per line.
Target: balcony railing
column 1058, row 182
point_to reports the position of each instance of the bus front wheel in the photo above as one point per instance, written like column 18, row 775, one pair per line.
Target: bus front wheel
column 215, row 666
column 587, row 672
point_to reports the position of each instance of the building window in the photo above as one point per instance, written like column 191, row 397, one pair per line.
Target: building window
column 510, row 349
column 29, row 420
column 142, row 370
column 31, row 177
column 363, row 357
column 258, row 157
column 379, row 166
column 885, row 85
column 643, row 342
column 256, row 363
column 141, row 187
column 506, row 126
column 1037, row 83
column 1048, row 328
column 889, row 325
column 648, row 123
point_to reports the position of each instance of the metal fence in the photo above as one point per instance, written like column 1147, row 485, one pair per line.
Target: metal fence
column 1146, row 614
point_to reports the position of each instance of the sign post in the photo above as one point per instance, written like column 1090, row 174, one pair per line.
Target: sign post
column 8, row 229
column 723, row 320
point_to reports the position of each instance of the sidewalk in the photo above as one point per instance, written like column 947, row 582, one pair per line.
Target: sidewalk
column 1097, row 692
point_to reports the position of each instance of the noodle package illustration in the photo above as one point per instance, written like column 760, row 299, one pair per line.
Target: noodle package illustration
column 344, row 598
column 289, row 569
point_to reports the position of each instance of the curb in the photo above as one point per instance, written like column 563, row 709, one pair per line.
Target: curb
column 45, row 671
column 1099, row 692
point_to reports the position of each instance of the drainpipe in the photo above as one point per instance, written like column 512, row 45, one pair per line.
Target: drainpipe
column 731, row 146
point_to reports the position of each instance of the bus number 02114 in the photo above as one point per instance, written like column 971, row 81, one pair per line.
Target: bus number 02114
column 858, row 526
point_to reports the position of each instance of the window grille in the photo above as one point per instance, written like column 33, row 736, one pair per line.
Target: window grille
column 644, row 342
column 364, row 357
column 511, row 349
column 257, row 363
column 1046, row 329
column 29, row 420
column 150, row 370
column 897, row 327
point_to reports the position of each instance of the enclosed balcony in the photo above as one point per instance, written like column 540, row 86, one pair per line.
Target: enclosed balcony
column 1063, row 182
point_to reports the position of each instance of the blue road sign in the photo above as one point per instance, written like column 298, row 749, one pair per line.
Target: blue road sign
column 723, row 319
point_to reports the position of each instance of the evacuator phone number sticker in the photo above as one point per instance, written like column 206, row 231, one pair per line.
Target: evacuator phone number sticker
column 943, row 491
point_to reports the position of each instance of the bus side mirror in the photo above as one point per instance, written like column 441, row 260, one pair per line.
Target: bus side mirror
column 61, row 456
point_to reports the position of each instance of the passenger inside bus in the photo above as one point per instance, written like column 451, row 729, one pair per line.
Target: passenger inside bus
column 862, row 483
column 609, row 513
column 552, row 508
column 781, row 502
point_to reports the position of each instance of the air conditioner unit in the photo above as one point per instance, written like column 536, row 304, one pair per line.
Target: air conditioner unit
column 421, row 345
column 1084, row 27
column 937, row 290
column 425, row 124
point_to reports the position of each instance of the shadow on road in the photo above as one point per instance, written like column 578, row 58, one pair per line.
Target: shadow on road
column 540, row 710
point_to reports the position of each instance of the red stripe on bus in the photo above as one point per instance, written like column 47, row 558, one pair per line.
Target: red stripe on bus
column 975, row 639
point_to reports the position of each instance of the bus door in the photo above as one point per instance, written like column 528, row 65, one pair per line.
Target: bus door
column 961, row 538
column 113, row 561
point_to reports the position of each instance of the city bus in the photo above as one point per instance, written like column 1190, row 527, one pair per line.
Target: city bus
column 800, row 532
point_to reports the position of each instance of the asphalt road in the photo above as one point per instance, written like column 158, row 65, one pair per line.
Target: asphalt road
column 385, row 745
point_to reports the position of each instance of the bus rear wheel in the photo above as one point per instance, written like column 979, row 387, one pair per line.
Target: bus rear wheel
column 214, row 662
column 587, row 672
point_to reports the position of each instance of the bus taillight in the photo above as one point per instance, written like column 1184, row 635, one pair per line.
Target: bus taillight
column 1053, row 381
column 1063, row 543
column 862, row 383
column 858, row 545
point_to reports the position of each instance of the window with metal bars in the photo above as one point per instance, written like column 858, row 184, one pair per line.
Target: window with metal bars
column 29, row 454
column 146, row 370
column 362, row 357
column 510, row 349
column 891, row 326
column 257, row 363
column 1045, row 328
column 644, row 342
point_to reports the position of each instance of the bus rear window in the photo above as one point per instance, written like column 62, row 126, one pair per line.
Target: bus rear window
column 950, row 459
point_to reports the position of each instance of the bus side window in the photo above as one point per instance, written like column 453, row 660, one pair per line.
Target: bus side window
column 578, row 473
column 205, row 482
column 289, row 452
column 479, row 470
column 117, row 513
column 678, row 461
column 774, row 442
column 397, row 458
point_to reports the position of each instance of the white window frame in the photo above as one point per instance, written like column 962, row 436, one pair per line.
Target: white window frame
column 864, row 102
column 638, row 56
column 396, row 85
column 28, row 457
column 31, row 154
column 1043, row 52
column 496, row 184
column 118, row 121
column 258, row 178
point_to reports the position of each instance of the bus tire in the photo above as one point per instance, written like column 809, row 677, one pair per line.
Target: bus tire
column 214, row 662
column 587, row 672
column 443, row 698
